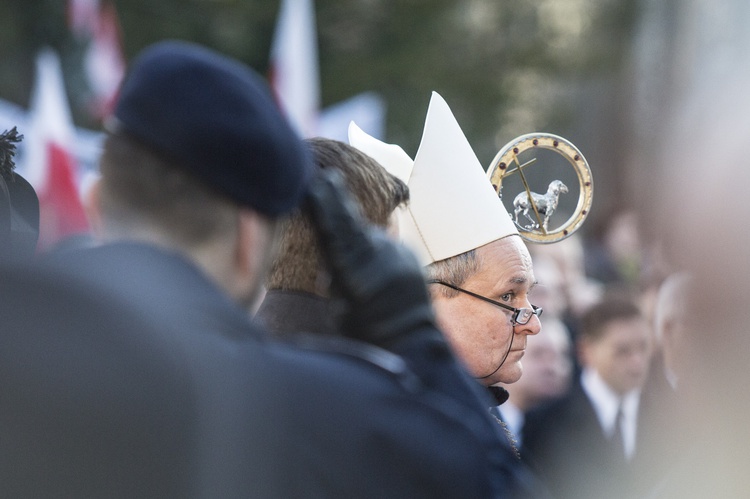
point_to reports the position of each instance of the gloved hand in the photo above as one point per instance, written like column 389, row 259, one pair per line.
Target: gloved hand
column 380, row 283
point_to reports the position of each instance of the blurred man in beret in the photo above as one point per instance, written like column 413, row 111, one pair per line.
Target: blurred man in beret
column 197, row 168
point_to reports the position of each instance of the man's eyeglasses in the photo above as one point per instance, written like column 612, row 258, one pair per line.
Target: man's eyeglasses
column 520, row 316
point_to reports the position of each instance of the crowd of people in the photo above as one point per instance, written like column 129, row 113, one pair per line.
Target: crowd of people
column 262, row 316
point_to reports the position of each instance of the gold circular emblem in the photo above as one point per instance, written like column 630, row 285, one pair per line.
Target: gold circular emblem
column 540, row 216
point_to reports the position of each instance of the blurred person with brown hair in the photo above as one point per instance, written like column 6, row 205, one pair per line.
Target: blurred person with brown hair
column 588, row 444
column 297, row 286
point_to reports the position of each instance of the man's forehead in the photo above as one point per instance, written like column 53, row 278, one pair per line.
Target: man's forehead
column 512, row 276
column 507, row 262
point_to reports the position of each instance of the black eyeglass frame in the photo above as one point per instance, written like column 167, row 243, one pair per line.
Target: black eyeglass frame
column 517, row 312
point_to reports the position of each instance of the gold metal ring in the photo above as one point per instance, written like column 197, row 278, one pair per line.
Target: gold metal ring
column 532, row 212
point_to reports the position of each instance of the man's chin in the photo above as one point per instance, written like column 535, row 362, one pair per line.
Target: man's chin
column 511, row 375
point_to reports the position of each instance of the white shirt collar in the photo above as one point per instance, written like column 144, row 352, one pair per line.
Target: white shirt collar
column 606, row 402
column 513, row 417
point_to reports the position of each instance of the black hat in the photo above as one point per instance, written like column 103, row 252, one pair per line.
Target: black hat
column 215, row 117
column 19, row 204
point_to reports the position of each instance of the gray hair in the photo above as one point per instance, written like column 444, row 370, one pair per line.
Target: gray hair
column 671, row 301
column 454, row 270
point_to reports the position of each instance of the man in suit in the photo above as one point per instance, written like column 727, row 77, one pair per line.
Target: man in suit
column 197, row 168
column 587, row 444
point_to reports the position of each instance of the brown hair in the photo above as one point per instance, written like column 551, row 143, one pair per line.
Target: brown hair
column 297, row 265
column 614, row 306
column 141, row 190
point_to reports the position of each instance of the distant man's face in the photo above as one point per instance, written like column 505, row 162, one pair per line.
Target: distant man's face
column 621, row 355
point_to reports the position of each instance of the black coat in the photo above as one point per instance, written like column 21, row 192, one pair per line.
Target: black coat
column 565, row 444
column 323, row 418
column 94, row 402
column 285, row 312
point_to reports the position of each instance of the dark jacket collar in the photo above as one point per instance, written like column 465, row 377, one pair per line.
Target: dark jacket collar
column 499, row 394
column 297, row 312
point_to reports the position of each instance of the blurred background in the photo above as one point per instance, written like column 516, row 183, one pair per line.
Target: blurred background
column 655, row 93
column 601, row 73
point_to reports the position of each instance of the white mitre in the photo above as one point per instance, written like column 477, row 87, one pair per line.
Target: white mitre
column 453, row 207
column 390, row 156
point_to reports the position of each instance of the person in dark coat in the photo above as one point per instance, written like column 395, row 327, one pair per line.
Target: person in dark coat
column 94, row 401
column 196, row 170
column 593, row 442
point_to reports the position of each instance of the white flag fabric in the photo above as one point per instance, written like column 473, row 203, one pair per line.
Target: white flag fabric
column 294, row 74
column 50, row 166
column 367, row 110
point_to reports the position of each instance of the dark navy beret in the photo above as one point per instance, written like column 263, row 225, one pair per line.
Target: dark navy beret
column 215, row 117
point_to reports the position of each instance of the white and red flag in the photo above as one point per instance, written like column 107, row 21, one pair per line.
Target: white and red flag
column 50, row 165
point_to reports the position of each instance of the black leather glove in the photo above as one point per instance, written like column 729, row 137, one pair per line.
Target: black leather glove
column 379, row 282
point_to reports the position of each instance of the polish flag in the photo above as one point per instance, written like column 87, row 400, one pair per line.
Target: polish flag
column 294, row 65
column 96, row 23
column 51, row 166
